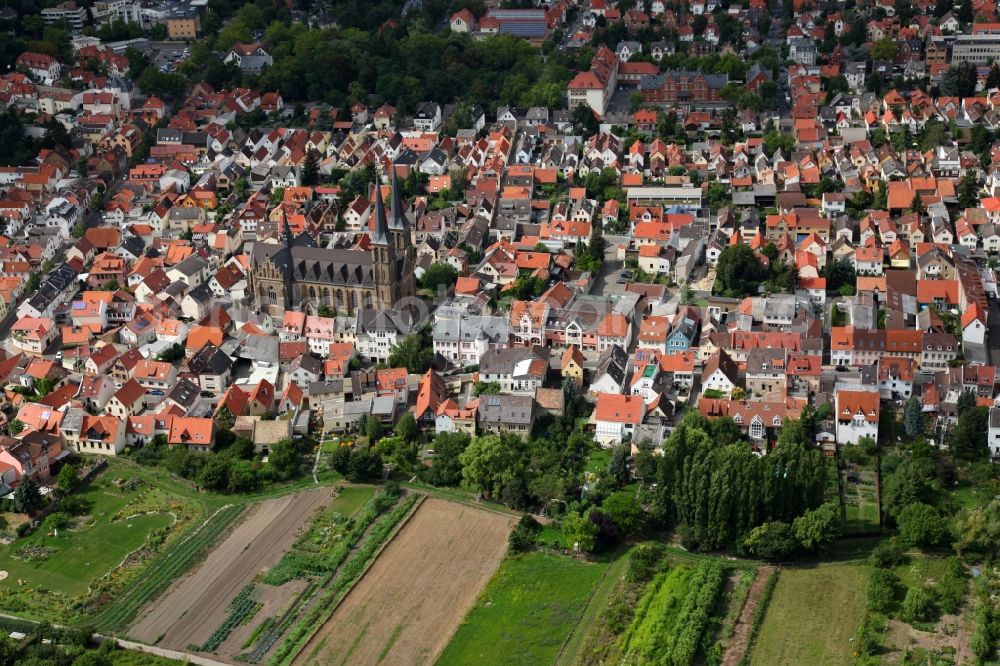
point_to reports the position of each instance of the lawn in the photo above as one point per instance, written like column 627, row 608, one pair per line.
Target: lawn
column 598, row 602
column 921, row 569
column 349, row 500
column 118, row 522
column 76, row 557
column 526, row 612
column 598, row 460
column 812, row 616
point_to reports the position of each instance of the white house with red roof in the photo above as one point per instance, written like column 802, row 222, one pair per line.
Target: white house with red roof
column 616, row 417
column 463, row 21
column 595, row 86
column 974, row 325
column 857, row 415
column 40, row 66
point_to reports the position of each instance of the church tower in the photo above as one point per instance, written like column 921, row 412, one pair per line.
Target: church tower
column 288, row 281
column 384, row 255
column 399, row 225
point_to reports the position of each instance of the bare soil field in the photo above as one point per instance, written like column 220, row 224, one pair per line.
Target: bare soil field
column 194, row 607
column 406, row 607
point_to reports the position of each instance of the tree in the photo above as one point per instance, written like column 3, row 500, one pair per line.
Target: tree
column 224, row 418
column 283, row 458
column 214, row 473
column 489, row 463
column 977, row 531
column 609, row 533
column 911, row 482
column 618, row 471
column 968, row 186
column 340, row 459
column 623, row 508
column 738, row 271
column 310, row 169
column 884, row 49
column 172, row 354
column 69, row 479
column 365, row 465
column 968, row 440
column 772, row 541
column 580, row 531
column 818, row 528
column 440, row 274
column 374, row 430
column 584, row 121
column 414, row 353
column 522, row 537
column 27, row 497
column 921, row 525
column 966, row 400
column 913, row 417
column 918, row 605
column 887, row 554
column 406, row 427
column 447, row 470
column 16, row 426
column 881, row 589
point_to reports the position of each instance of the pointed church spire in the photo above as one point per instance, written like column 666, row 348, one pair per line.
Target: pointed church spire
column 398, row 219
column 285, row 229
column 381, row 223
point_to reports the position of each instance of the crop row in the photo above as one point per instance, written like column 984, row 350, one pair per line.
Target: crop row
column 703, row 591
column 167, row 567
column 381, row 501
column 296, row 564
column 240, row 610
column 346, row 577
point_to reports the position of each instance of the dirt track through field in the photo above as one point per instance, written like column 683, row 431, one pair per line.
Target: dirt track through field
column 409, row 603
column 194, row 607
column 741, row 630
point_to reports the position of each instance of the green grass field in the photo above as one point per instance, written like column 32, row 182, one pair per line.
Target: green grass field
column 598, row 602
column 917, row 571
column 79, row 556
column 75, row 559
column 349, row 500
column 526, row 612
column 812, row 616
column 598, row 460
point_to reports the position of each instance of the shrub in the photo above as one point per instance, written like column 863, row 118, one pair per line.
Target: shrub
column 918, row 606
column 523, row 535
column 645, row 562
column 952, row 587
column 887, row 554
column 881, row 590
column 921, row 525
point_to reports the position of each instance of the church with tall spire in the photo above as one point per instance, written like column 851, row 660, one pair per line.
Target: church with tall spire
column 295, row 275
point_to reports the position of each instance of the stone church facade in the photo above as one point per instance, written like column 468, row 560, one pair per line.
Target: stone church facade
column 295, row 275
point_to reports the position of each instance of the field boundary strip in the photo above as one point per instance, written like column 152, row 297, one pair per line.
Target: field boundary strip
column 758, row 616
column 305, row 639
column 583, row 613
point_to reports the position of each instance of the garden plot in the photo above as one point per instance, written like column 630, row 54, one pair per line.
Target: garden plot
column 217, row 592
column 408, row 604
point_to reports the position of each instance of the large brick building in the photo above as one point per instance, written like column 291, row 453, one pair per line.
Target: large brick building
column 683, row 88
